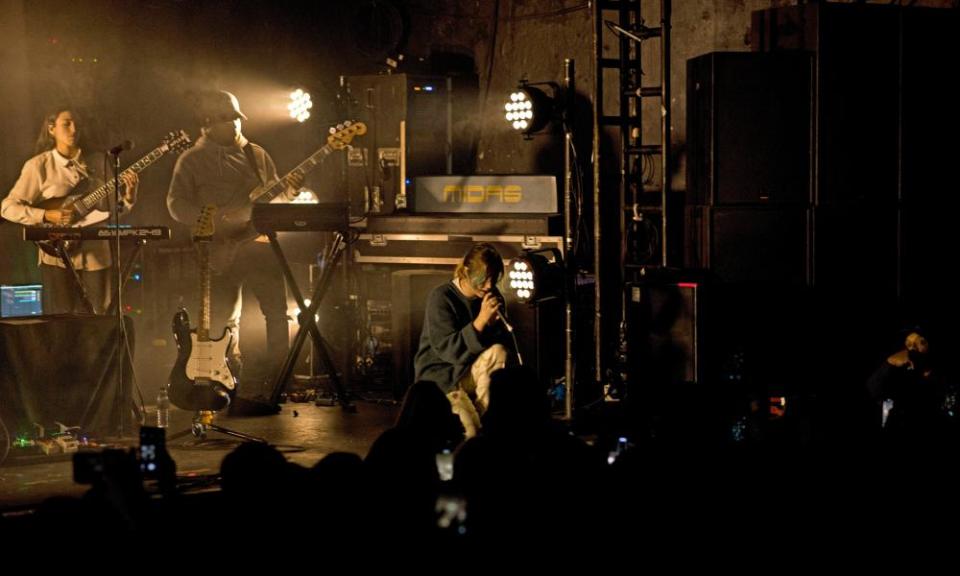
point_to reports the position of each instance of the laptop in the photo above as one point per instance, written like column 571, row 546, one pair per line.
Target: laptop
column 21, row 300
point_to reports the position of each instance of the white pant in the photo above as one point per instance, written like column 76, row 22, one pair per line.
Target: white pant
column 472, row 396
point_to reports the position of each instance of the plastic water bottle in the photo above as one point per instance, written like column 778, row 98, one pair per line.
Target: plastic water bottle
column 163, row 408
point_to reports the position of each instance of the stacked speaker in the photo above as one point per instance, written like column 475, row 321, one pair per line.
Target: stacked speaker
column 750, row 209
column 749, row 168
column 818, row 171
column 885, row 127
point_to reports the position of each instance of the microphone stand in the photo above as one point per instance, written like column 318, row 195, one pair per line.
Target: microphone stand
column 121, row 336
column 516, row 345
column 502, row 317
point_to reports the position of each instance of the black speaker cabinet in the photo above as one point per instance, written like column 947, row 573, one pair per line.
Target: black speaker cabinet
column 857, row 61
column 663, row 323
column 750, row 127
column 766, row 245
column 408, row 123
column 929, row 115
column 864, row 63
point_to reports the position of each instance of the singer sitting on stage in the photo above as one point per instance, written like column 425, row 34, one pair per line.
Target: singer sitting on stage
column 59, row 169
column 462, row 342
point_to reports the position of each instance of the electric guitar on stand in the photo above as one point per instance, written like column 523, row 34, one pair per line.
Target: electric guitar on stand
column 201, row 378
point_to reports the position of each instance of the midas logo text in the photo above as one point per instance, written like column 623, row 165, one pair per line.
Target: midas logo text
column 475, row 194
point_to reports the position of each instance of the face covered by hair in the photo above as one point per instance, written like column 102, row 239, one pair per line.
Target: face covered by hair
column 478, row 279
column 480, row 270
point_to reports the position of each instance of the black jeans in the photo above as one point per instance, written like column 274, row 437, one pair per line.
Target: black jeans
column 254, row 270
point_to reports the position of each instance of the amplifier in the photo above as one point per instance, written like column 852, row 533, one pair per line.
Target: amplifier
column 486, row 194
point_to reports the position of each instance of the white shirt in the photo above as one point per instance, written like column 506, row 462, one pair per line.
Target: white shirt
column 52, row 175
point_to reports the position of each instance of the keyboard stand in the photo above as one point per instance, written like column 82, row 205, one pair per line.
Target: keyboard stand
column 77, row 281
column 308, row 323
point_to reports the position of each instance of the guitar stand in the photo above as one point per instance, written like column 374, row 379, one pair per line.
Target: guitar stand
column 203, row 422
column 308, row 325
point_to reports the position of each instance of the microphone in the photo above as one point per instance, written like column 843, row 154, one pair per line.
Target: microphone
column 125, row 145
column 500, row 309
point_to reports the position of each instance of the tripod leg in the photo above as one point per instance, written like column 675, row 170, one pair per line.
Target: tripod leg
column 125, row 271
column 180, row 434
column 203, row 421
column 235, row 434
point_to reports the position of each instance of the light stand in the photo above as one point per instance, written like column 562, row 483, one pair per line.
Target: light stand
column 529, row 111
column 570, row 268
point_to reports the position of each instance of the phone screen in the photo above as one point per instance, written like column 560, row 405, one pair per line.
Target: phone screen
column 445, row 465
column 451, row 513
column 152, row 445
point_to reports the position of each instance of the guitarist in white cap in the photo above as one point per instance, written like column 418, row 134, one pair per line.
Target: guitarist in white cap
column 222, row 169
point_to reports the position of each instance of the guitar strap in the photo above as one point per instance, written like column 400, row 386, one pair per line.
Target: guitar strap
column 252, row 160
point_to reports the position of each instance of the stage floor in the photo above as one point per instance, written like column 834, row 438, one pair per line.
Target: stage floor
column 305, row 433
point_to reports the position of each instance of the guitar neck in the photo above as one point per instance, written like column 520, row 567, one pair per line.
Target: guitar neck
column 88, row 202
column 280, row 186
column 203, row 259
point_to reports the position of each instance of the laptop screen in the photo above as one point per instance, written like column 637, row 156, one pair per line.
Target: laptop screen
column 21, row 300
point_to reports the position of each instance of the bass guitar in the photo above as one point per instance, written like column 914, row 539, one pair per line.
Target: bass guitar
column 234, row 228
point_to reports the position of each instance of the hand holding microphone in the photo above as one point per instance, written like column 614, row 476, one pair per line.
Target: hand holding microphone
column 491, row 309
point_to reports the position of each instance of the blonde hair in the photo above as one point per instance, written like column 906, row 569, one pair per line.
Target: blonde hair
column 482, row 261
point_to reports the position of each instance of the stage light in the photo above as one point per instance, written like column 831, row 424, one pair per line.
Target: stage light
column 300, row 105
column 537, row 275
column 529, row 109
